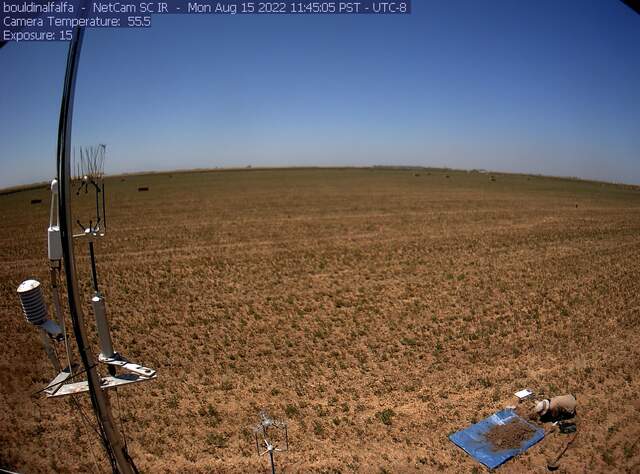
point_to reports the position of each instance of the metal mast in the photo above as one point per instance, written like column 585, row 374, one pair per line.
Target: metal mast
column 112, row 440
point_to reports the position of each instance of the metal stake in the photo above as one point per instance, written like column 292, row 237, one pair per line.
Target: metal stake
column 273, row 463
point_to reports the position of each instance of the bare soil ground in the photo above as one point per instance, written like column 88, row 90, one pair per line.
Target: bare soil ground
column 376, row 310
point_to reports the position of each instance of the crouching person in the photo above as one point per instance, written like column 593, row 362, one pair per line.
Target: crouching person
column 556, row 408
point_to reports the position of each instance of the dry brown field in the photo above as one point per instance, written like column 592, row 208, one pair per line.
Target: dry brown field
column 376, row 310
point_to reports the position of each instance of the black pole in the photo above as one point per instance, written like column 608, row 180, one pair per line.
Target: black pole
column 111, row 439
column 94, row 272
column 66, row 236
column 273, row 464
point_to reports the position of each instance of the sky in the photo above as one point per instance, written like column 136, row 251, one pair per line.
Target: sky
column 545, row 87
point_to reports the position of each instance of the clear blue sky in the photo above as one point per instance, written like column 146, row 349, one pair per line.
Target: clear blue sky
column 549, row 87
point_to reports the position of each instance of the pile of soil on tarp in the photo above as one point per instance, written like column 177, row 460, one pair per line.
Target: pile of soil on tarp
column 510, row 435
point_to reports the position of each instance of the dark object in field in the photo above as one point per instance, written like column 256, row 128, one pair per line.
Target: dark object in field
column 493, row 178
column 36, row 201
column 416, row 174
column 510, row 435
column 143, row 188
column 448, row 176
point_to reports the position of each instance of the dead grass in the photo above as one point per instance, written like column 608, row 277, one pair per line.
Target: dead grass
column 377, row 310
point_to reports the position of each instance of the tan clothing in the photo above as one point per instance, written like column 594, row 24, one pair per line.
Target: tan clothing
column 562, row 405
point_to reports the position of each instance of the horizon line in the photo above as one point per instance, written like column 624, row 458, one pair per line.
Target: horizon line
column 40, row 184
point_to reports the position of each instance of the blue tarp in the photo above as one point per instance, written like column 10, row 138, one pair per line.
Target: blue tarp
column 473, row 441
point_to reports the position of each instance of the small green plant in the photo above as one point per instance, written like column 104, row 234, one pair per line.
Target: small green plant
column 386, row 416
column 628, row 450
column 607, row 457
column 213, row 415
column 217, row 440
column 291, row 411
column 173, row 402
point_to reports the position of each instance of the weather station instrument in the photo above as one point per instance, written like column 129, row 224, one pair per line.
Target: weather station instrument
column 82, row 180
column 266, row 441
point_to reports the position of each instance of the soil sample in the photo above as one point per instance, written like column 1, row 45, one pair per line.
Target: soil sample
column 510, row 435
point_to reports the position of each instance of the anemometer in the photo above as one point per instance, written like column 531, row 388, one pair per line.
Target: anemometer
column 263, row 433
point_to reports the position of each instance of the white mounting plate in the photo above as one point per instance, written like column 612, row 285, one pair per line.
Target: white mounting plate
column 90, row 235
column 106, row 382
column 56, row 383
column 120, row 361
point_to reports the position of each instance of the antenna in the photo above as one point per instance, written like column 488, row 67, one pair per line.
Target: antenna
column 263, row 438
column 88, row 179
